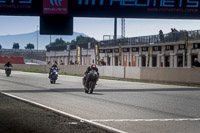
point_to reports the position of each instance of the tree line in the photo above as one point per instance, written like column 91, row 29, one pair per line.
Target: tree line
column 58, row 42
column 79, row 40
column 174, row 35
column 16, row 46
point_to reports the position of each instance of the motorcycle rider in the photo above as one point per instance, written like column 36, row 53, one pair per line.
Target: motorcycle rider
column 90, row 68
column 7, row 67
column 8, row 64
column 54, row 66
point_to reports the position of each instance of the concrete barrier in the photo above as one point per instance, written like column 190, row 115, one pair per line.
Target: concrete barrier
column 187, row 75
column 21, row 67
column 38, row 67
column 47, row 68
column 193, row 75
column 1, row 66
column 132, row 72
column 75, row 69
column 71, row 69
column 17, row 66
column 111, row 71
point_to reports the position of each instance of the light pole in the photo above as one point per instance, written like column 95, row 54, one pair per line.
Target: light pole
column 115, row 28
column 50, row 40
column 37, row 37
column 87, row 58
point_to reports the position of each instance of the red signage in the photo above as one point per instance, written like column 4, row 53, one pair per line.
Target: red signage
column 55, row 6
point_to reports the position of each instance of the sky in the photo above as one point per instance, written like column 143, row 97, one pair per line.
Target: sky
column 98, row 27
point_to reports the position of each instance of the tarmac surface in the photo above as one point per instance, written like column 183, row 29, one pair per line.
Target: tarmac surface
column 20, row 117
column 126, row 106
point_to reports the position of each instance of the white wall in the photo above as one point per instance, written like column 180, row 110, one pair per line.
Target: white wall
column 132, row 72
column 112, row 71
column 187, row 75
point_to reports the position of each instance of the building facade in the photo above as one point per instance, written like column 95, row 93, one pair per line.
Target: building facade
column 76, row 54
column 173, row 50
column 165, row 50
column 153, row 55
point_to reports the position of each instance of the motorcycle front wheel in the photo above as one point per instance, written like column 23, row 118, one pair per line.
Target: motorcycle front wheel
column 91, row 86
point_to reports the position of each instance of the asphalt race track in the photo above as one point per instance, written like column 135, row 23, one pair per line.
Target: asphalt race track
column 127, row 106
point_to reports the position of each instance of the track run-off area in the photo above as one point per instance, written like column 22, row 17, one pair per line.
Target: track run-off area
column 125, row 106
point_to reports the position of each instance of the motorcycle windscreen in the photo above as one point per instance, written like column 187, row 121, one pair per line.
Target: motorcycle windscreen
column 55, row 71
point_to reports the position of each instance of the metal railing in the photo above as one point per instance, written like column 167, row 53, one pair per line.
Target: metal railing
column 154, row 39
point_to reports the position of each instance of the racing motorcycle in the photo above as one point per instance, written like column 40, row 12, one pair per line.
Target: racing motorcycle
column 53, row 75
column 8, row 71
column 91, row 79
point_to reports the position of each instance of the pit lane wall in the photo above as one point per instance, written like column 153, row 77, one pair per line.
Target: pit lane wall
column 186, row 75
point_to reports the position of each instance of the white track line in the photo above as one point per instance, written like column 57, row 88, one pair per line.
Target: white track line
column 66, row 114
column 145, row 120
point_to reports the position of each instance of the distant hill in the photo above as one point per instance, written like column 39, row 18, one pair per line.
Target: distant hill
column 7, row 41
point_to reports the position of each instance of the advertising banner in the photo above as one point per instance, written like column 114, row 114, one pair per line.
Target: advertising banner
column 21, row 7
column 173, row 9
column 55, row 6
column 97, row 53
column 120, row 54
column 79, row 55
column 148, row 60
column 186, row 48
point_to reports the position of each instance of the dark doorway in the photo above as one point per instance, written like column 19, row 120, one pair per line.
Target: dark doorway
column 143, row 61
column 192, row 60
column 167, row 61
column 108, row 61
column 180, row 60
column 154, row 61
column 116, row 60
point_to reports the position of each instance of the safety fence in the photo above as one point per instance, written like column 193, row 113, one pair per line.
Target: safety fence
column 175, row 36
